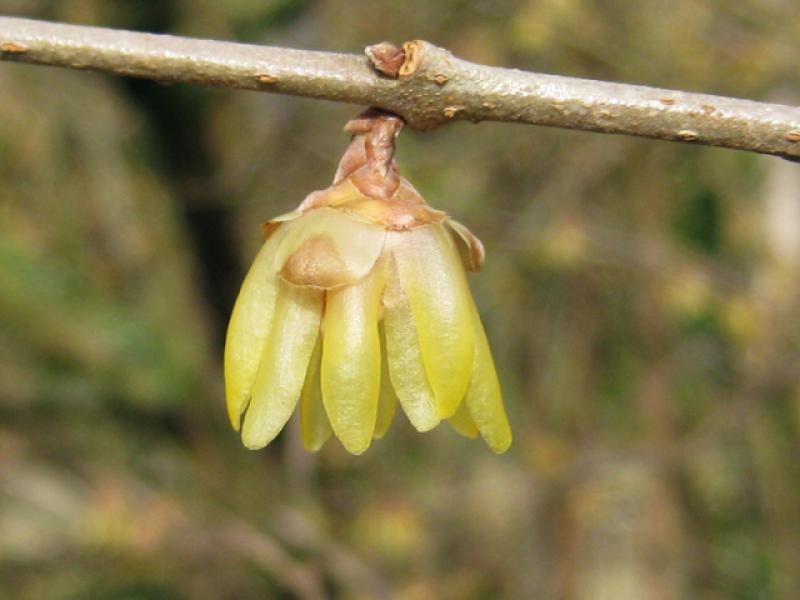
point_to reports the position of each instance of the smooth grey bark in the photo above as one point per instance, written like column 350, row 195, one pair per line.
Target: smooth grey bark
column 433, row 86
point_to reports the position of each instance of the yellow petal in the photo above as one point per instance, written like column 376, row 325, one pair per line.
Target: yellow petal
column 326, row 248
column 314, row 426
column 351, row 360
column 406, row 371
column 434, row 281
column 462, row 422
column 283, row 367
column 248, row 329
column 387, row 401
column 484, row 398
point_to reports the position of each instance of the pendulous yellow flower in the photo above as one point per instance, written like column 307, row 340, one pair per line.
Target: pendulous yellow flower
column 356, row 300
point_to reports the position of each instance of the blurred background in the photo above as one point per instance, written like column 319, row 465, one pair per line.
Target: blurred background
column 641, row 298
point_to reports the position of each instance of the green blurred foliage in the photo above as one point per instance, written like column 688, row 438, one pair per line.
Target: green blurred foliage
column 640, row 296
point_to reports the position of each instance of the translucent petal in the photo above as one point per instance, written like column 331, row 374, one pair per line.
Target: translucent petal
column 469, row 246
column 387, row 401
column 462, row 422
column 268, row 227
column 314, row 426
column 340, row 194
column 248, row 328
column 351, row 360
column 434, row 281
column 283, row 367
column 404, row 357
column 326, row 248
column 484, row 398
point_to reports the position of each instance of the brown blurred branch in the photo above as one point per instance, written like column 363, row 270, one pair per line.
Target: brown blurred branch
column 433, row 87
column 250, row 544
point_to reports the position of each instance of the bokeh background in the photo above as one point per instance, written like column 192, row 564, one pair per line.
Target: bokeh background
column 641, row 298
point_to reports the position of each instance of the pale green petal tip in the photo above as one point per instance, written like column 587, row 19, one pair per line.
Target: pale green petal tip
column 495, row 428
column 314, row 446
column 420, row 410
column 253, row 446
column 356, row 447
column 501, row 441
column 425, row 424
column 233, row 406
column 379, row 435
column 384, row 421
column 355, row 438
column 313, row 442
column 235, row 417
column 254, row 437
column 387, row 407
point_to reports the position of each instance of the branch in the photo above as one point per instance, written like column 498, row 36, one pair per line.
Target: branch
column 433, row 87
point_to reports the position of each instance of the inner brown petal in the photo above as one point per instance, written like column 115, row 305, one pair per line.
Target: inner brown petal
column 317, row 263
